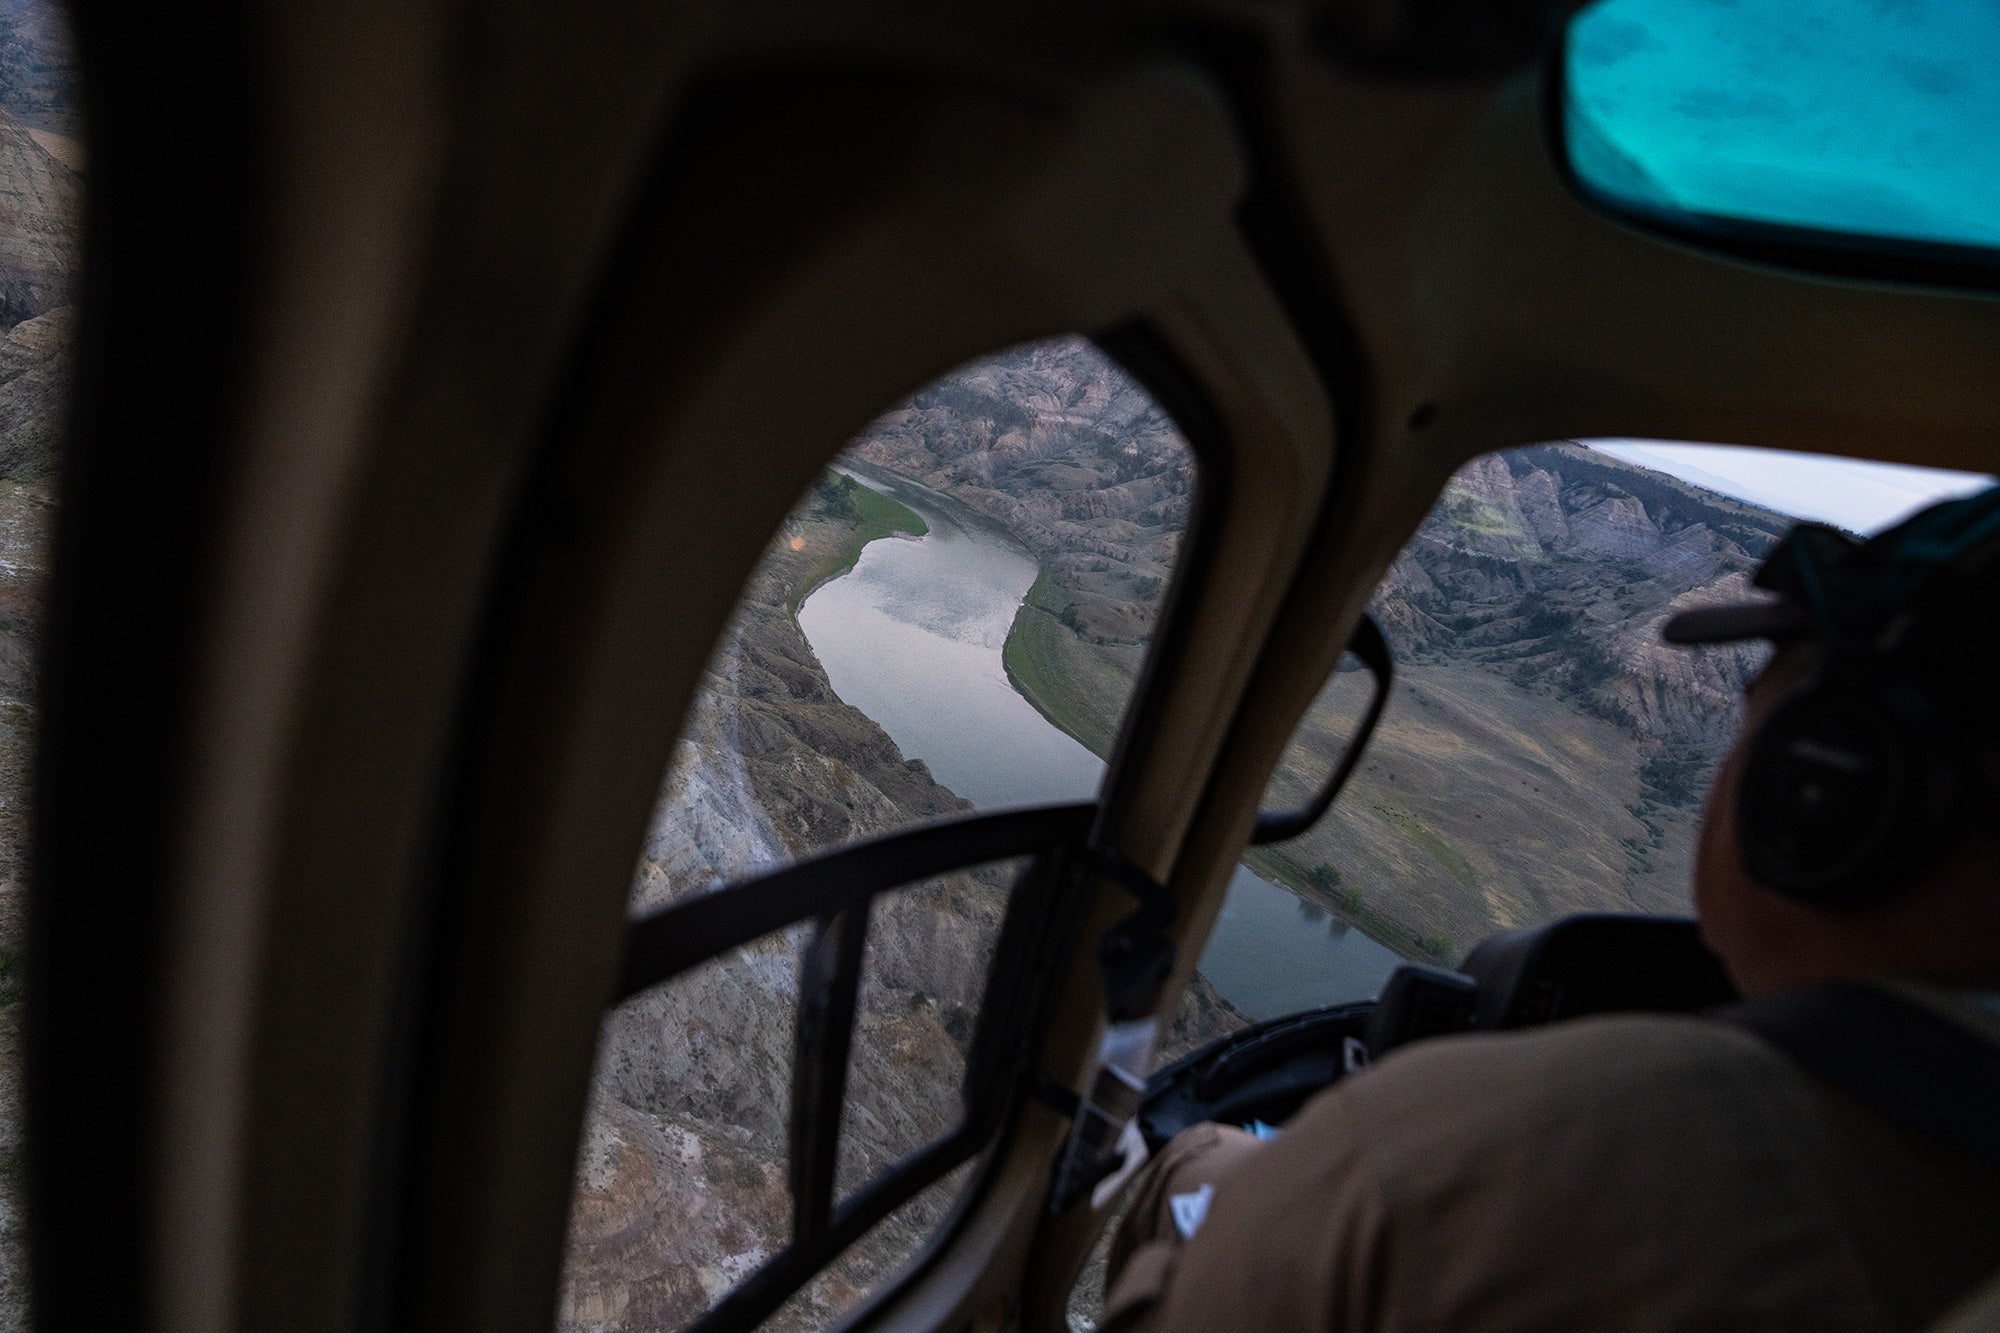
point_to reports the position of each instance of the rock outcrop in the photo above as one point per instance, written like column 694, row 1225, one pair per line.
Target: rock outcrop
column 37, row 68
column 1557, row 565
column 35, row 369
column 39, row 244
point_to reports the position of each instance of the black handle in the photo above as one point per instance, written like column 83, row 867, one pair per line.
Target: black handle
column 1373, row 650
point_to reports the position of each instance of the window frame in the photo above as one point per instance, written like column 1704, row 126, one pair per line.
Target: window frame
column 1045, row 911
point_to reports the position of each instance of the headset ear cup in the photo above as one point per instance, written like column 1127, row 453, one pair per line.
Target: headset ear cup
column 1833, row 807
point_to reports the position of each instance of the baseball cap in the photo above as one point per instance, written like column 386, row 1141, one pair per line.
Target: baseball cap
column 1882, row 593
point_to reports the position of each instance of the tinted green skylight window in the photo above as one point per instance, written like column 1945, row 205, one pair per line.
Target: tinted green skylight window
column 1874, row 118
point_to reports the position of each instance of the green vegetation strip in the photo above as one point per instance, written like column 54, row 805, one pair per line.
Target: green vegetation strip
column 1325, row 888
column 1057, row 672
column 875, row 515
column 1036, row 659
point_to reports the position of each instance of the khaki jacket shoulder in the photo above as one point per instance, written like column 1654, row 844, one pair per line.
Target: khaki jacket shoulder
column 1616, row 1173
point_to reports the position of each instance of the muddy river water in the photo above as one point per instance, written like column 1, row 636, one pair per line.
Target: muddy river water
column 912, row 637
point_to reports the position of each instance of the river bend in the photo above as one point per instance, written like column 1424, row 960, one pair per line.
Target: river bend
column 912, row 637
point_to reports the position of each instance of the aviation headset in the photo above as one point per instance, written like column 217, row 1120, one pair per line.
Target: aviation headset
column 1860, row 781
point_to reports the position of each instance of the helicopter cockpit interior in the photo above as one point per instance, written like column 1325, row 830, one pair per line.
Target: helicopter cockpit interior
column 683, row 666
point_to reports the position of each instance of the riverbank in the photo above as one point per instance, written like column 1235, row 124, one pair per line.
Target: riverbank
column 1082, row 695
column 914, row 637
column 1051, row 668
column 1321, row 886
column 874, row 516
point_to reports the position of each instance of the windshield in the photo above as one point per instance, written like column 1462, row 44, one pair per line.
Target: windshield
column 1543, row 752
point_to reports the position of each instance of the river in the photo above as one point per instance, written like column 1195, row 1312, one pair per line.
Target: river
column 912, row 637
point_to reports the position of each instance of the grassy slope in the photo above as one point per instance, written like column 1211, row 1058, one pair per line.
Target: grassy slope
column 1072, row 685
column 880, row 516
column 1081, row 692
column 1481, row 804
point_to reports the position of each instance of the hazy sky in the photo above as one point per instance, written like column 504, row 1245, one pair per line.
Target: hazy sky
column 1863, row 497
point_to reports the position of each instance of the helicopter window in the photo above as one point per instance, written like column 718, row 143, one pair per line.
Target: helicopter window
column 936, row 651
column 1849, row 127
column 41, row 181
column 1541, row 752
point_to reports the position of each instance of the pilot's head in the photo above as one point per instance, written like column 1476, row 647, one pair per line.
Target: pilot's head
column 1854, row 828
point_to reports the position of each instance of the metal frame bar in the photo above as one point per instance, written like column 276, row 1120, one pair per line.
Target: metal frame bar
column 666, row 943
column 840, row 888
column 829, row 983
